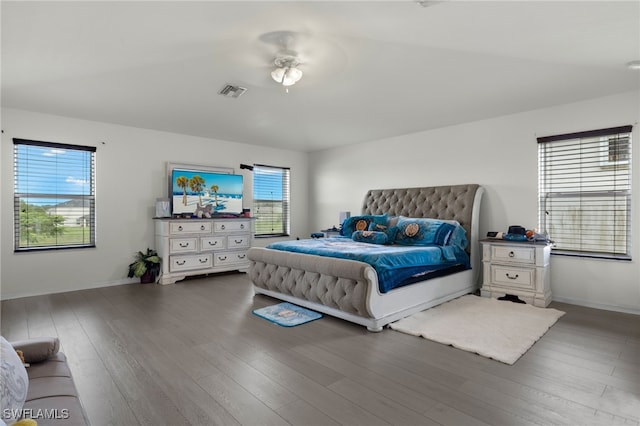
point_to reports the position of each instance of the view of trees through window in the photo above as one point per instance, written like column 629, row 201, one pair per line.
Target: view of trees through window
column 54, row 204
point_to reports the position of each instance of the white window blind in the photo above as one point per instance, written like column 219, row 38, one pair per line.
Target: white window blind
column 271, row 200
column 584, row 192
column 54, row 195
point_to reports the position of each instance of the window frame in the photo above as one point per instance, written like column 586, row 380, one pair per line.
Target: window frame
column 88, row 198
column 286, row 202
column 619, row 173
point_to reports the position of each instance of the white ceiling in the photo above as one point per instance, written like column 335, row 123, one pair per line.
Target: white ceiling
column 372, row 69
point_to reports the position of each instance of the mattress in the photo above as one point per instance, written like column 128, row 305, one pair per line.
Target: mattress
column 395, row 265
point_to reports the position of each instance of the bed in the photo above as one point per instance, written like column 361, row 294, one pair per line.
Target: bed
column 349, row 289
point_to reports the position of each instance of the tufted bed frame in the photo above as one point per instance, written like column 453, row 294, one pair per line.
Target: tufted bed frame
column 349, row 289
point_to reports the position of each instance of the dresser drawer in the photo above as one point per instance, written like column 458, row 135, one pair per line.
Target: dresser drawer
column 230, row 257
column 184, row 263
column 231, row 226
column 512, row 277
column 183, row 245
column 212, row 243
column 195, row 227
column 513, row 254
column 238, row 241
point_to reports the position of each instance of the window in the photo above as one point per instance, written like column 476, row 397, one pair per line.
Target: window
column 54, row 195
column 584, row 192
column 271, row 200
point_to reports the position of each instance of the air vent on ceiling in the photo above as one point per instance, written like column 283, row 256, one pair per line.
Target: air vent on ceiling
column 230, row 91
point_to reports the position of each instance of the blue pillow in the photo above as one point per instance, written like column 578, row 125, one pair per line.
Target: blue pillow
column 387, row 228
column 360, row 223
column 458, row 237
column 420, row 232
column 373, row 237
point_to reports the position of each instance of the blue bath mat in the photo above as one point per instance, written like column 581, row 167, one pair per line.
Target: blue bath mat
column 286, row 314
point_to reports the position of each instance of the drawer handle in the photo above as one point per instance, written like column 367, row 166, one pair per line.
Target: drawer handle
column 202, row 227
column 242, row 256
column 223, row 227
column 215, row 243
column 242, row 226
column 511, row 254
column 183, row 245
column 510, row 277
column 238, row 241
column 180, row 228
column 205, row 260
column 180, row 262
column 222, row 257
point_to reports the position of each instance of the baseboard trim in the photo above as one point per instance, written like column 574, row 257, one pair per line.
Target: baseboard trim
column 67, row 290
column 603, row 306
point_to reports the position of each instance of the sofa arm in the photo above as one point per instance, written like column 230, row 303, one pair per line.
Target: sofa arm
column 37, row 349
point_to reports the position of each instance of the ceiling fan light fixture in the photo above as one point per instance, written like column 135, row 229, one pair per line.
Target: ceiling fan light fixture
column 287, row 72
column 278, row 74
column 291, row 76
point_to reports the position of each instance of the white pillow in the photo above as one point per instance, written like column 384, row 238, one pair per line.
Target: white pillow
column 14, row 383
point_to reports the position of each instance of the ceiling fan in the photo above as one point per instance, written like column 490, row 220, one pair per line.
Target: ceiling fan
column 284, row 57
column 287, row 59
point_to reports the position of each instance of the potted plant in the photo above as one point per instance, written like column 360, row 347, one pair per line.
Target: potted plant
column 145, row 266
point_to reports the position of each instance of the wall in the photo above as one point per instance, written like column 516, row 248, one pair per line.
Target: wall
column 501, row 155
column 130, row 168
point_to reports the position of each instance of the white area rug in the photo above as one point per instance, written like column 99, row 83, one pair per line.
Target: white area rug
column 493, row 328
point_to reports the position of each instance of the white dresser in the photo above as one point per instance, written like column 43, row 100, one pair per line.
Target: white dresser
column 517, row 268
column 201, row 246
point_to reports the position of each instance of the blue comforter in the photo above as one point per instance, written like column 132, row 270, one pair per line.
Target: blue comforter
column 395, row 265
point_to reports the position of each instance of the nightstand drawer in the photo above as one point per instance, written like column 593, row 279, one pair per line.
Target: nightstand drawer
column 513, row 254
column 513, row 277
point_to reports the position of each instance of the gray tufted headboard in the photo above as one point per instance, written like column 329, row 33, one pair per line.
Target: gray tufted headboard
column 451, row 202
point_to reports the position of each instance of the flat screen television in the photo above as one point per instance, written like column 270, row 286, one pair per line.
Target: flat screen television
column 215, row 192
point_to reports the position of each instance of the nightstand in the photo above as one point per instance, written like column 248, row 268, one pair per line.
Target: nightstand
column 331, row 232
column 517, row 268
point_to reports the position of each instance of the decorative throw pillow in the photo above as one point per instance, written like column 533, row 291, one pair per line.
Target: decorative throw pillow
column 373, row 237
column 14, row 383
column 423, row 231
column 360, row 223
column 458, row 237
column 390, row 228
column 38, row 349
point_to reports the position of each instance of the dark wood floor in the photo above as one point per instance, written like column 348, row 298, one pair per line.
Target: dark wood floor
column 193, row 353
